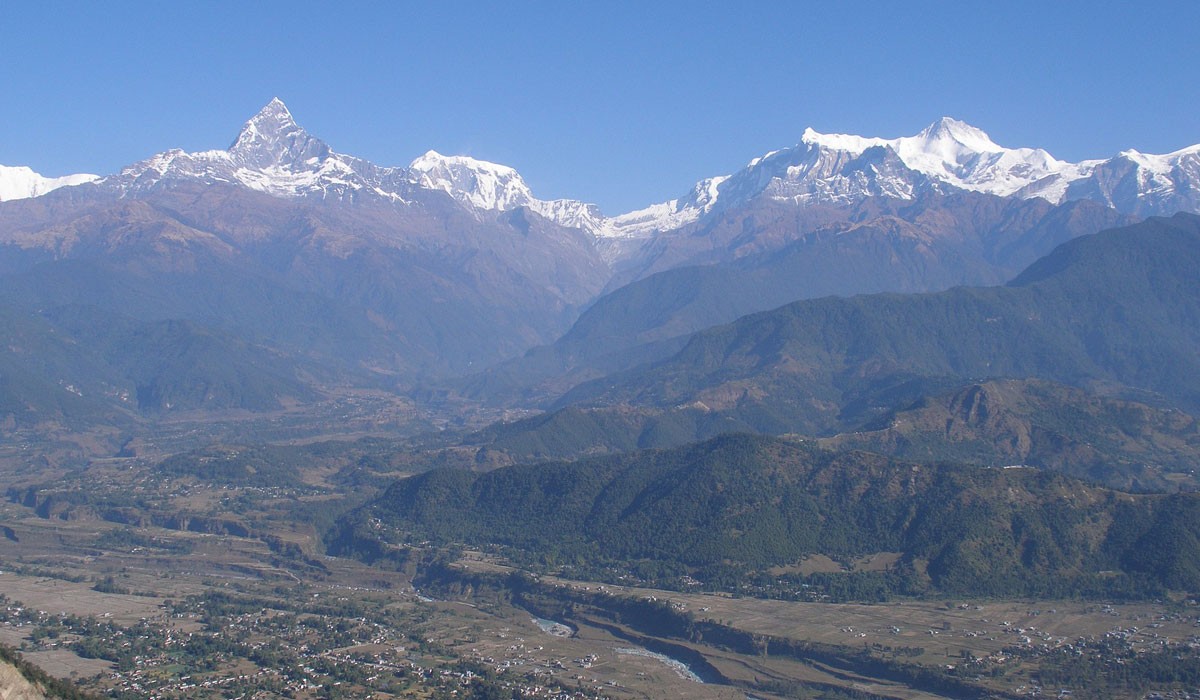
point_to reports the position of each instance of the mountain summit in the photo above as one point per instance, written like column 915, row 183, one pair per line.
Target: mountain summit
column 272, row 138
column 473, row 182
column 947, row 155
column 273, row 154
column 953, row 134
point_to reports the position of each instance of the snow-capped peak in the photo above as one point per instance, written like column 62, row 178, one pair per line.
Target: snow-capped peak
column 476, row 183
column 273, row 154
column 20, row 182
column 842, row 168
column 951, row 135
column 948, row 138
column 274, row 118
column 956, row 153
column 493, row 187
column 432, row 160
column 272, row 138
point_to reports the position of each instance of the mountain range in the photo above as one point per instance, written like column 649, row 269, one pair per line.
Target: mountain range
column 272, row 154
column 298, row 272
column 937, row 339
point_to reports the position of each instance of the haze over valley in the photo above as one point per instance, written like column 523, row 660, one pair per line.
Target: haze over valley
column 867, row 416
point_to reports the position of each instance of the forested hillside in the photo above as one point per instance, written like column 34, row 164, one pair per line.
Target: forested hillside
column 747, row 504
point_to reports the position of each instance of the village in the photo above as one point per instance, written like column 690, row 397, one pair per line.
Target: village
column 227, row 646
column 232, row 597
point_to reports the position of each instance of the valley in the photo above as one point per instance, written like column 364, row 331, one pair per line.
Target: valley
column 200, row 610
column 868, row 418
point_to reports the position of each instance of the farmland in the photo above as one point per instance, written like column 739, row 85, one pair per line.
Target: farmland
column 132, row 577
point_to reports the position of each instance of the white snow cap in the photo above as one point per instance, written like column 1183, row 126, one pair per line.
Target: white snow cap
column 20, row 182
column 957, row 153
column 478, row 183
column 273, row 154
column 273, row 117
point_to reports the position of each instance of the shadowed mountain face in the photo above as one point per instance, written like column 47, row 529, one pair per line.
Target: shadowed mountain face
column 769, row 254
column 371, row 294
column 1119, row 309
column 434, row 288
column 1122, row 444
column 287, row 268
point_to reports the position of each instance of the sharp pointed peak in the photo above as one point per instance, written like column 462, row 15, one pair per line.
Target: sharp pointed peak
column 274, row 112
column 949, row 128
column 428, row 158
column 267, row 124
column 271, row 137
column 949, row 124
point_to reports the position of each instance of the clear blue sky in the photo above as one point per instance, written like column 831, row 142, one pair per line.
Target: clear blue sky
column 619, row 103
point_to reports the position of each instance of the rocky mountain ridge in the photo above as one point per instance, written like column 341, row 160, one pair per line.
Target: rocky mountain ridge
column 273, row 154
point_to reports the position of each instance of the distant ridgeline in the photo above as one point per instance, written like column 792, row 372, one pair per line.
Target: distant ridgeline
column 721, row 510
column 1088, row 363
column 1118, row 311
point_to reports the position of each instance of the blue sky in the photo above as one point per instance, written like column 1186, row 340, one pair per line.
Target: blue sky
column 619, row 103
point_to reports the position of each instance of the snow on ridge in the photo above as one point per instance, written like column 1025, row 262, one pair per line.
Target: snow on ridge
column 956, row 153
column 21, row 182
column 665, row 216
column 835, row 168
column 274, row 155
column 271, row 154
column 477, row 183
column 431, row 160
column 1160, row 164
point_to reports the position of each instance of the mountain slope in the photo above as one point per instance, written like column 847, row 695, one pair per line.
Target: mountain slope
column 77, row 367
column 328, row 267
column 411, row 290
column 350, row 273
column 46, row 381
column 929, row 245
column 1121, row 444
column 760, row 502
column 1120, row 307
column 1127, row 445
